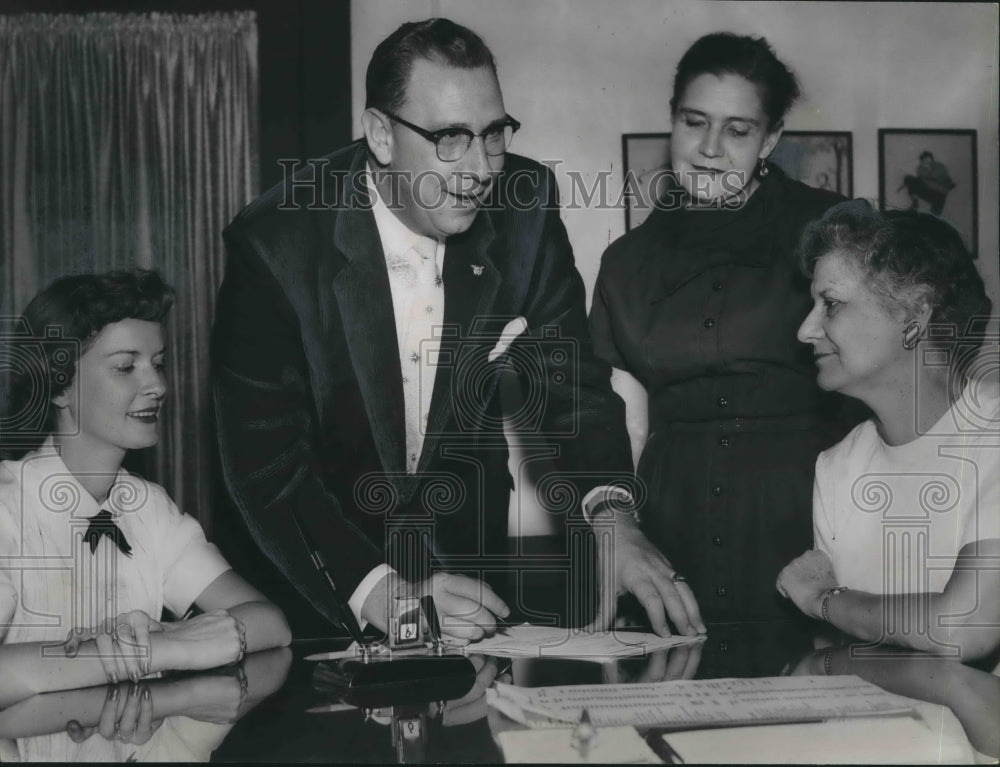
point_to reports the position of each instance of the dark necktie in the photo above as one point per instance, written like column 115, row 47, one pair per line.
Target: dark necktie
column 103, row 523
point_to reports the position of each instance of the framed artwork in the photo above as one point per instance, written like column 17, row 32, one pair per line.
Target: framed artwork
column 820, row 159
column 646, row 160
column 931, row 170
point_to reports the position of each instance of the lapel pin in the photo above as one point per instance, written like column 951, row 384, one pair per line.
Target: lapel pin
column 477, row 270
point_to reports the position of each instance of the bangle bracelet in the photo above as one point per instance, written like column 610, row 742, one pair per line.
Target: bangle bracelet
column 827, row 657
column 825, row 609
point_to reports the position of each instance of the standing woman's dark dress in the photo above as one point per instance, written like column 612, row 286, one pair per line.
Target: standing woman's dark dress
column 702, row 307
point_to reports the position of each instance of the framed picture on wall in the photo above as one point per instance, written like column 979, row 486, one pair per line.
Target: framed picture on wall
column 821, row 159
column 930, row 170
column 646, row 160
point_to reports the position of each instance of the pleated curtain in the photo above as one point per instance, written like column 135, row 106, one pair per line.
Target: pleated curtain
column 130, row 140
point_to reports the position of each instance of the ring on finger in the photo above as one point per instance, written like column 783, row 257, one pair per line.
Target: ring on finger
column 677, row 578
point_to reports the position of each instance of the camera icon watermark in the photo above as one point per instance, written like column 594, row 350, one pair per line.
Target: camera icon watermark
column 35, row 366
column 544, row 361
column 66, row 575
column 921, row 519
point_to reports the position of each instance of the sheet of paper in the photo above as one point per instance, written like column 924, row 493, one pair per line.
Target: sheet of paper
column 548, row 642
column 868, row 740
column 613, row 745
column 694, row 703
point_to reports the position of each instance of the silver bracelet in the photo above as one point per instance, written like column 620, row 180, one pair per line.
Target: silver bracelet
column 616, row 502
column 826, row 601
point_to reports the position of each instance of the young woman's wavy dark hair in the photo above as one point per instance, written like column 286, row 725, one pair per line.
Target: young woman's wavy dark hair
column 56, row 328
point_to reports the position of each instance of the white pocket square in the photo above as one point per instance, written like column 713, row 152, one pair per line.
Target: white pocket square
column 513, row 329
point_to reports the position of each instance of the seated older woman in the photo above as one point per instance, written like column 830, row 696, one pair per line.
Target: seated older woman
column 906, row 509
column 83, row 543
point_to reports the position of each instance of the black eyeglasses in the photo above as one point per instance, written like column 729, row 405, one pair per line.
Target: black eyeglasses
column 452, row 143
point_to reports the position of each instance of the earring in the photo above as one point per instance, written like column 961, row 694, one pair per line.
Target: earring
column 911, row 335
column 763, row 170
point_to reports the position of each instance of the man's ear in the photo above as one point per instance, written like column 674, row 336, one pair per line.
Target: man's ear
column 772, row 140
column 378, row 134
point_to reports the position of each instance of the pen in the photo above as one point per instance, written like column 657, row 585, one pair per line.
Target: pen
column 430, row 612
column 343, row 610
column 502, row 627
column 331, row 708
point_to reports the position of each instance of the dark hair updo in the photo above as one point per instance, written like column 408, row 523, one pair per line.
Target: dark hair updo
column 725, row 53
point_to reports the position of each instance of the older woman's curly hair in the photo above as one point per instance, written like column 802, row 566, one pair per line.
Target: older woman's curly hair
column 56, row 328
column 909, row 258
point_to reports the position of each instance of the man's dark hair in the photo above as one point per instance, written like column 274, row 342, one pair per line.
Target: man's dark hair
column 439, row 40
column 725, row 53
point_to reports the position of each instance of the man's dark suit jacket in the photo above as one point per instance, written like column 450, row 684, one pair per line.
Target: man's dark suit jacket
column 308, row 388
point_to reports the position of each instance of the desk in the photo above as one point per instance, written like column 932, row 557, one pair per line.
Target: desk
column 278, row 730
column 210, row 717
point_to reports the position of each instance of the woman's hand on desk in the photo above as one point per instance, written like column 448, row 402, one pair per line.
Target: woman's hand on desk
column 123, row 644
column 806, row 579
column 206, row 641
column 641, row 569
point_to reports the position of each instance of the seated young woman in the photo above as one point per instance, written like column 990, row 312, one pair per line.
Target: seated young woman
column 906, row 509
column 85, row 545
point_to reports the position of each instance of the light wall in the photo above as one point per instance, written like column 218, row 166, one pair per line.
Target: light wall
column 580, row 73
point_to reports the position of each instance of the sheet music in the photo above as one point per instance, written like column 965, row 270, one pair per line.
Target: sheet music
column 700, row 702
column 548, row 642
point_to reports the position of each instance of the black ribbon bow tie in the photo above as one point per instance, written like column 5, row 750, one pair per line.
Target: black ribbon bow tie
column 103, row 523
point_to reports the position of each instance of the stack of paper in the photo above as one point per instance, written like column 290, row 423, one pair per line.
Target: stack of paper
column 527, row 641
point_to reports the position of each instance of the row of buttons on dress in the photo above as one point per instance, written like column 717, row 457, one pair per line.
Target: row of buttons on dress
column 722, row 402
column 717, row 490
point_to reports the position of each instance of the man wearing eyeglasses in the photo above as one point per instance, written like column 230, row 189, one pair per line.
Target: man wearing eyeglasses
column 358, row 349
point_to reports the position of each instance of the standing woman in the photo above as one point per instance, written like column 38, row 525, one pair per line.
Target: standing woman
column 697, row 311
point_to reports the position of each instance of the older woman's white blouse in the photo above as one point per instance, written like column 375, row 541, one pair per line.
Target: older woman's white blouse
column 49, row 579
column 892, row 519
